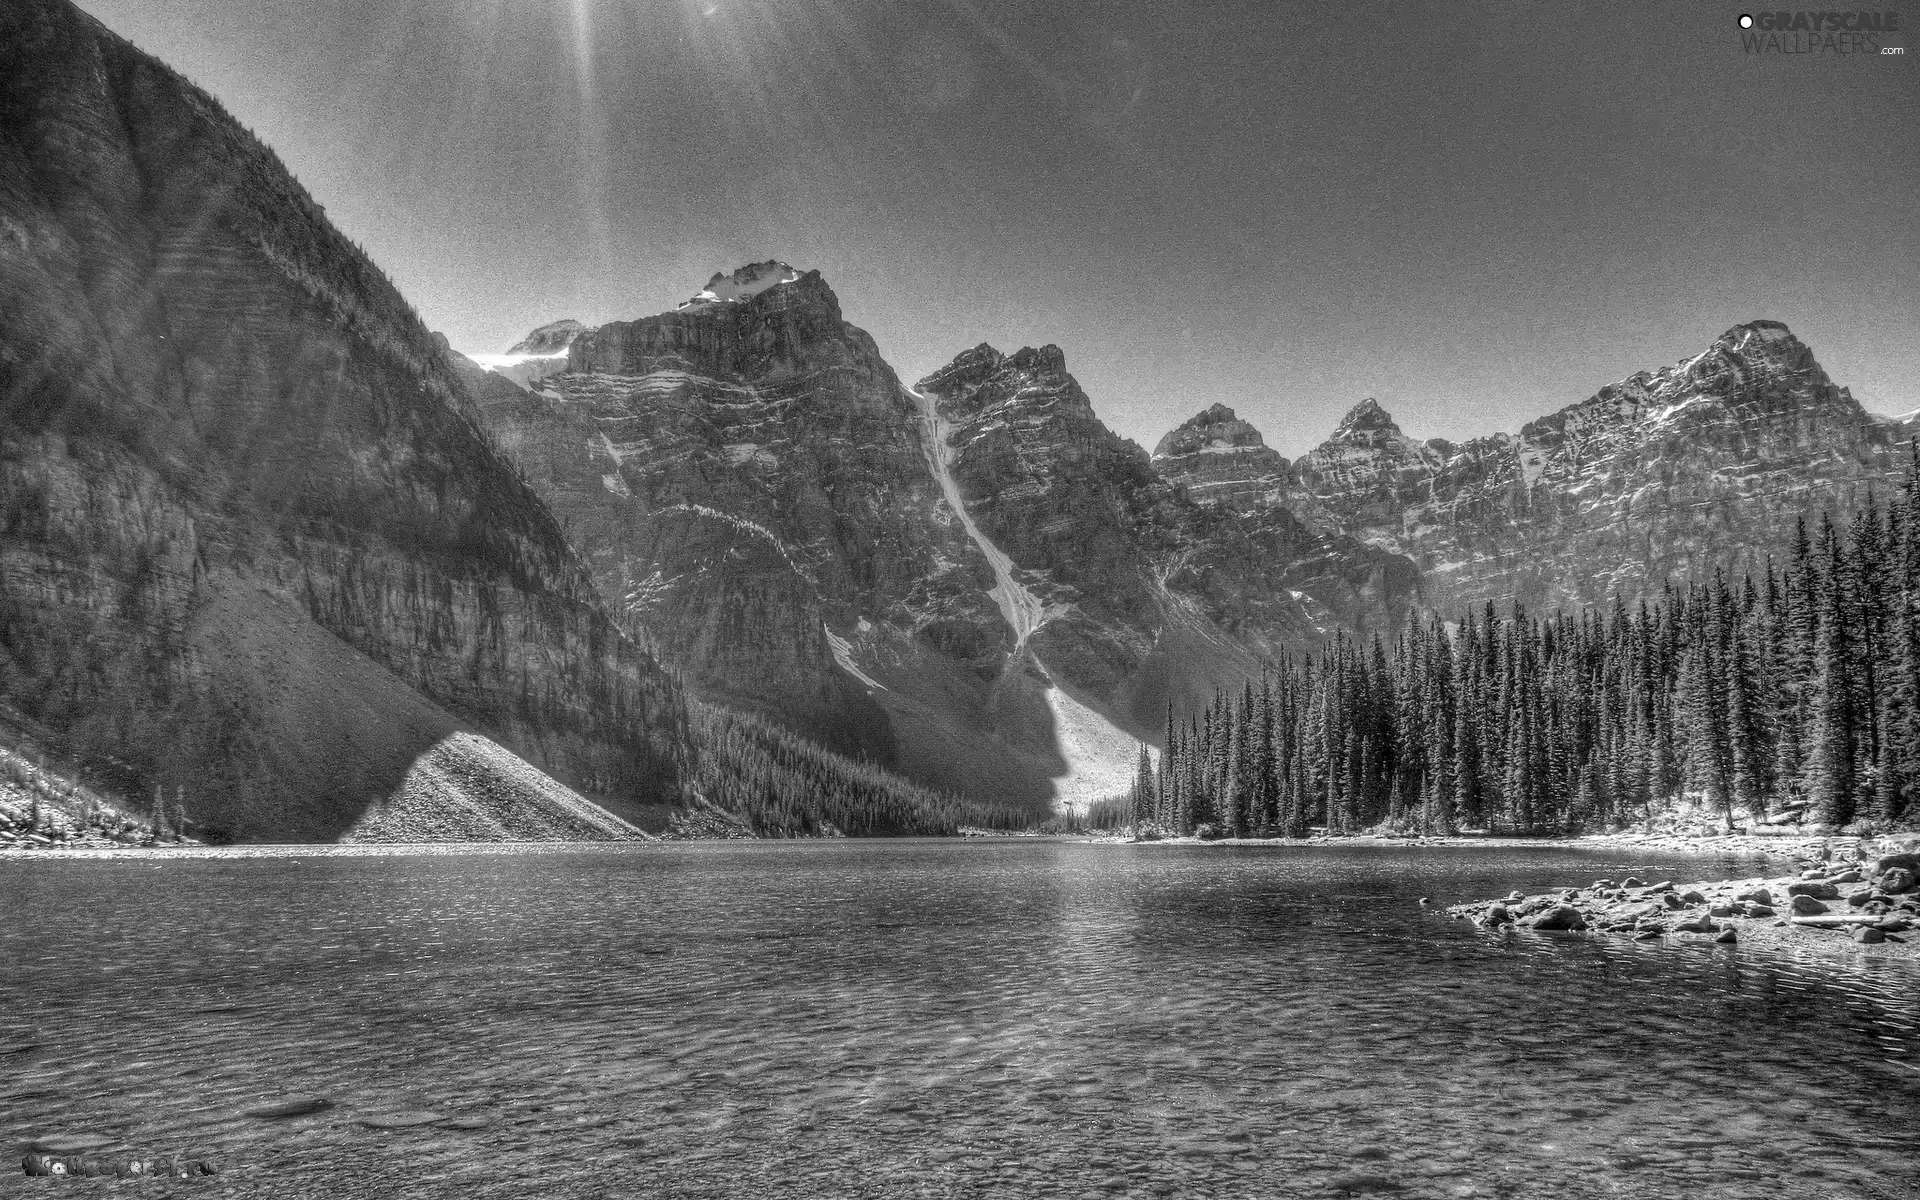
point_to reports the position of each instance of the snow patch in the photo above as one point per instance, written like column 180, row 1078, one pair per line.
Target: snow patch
column 1533, row 464
column 523, row 370
column 843, row 655
column 739, row 453
column 738, row 522
column 747, row 282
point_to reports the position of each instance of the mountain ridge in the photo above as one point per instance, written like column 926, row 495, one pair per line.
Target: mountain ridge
column 779, row 427
column 1726, row 435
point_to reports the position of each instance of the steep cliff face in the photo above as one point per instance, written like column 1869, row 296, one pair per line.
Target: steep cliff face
column 235, row 471
column 1670, row 474
column 1149, row 596
column 750, row 484
column 973, row 580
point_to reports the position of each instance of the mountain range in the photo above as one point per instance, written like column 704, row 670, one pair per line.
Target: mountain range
column 975, row 580
column 270, row 546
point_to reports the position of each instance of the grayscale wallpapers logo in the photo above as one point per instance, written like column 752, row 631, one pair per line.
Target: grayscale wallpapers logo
column 1843, row 33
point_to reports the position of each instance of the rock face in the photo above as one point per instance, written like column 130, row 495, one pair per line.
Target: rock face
column 255, row 552
column 1221, row 459
column 749, row 482
column 973, row 580
column 1147, row 596
column 1667, row 475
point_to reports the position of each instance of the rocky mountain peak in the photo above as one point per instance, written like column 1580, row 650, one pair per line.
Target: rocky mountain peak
column 763, row 317
column 743, row 284
column 1366, row 422
column 1220, row 459
column 1049, row 360
column 1028, row 385
column 968, row 370
column 1214, row 428
column 550, row 338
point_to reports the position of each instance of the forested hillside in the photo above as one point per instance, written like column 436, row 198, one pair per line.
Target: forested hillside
column 1796, row 690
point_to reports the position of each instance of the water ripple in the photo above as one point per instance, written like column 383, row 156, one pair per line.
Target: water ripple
column 929, row 1019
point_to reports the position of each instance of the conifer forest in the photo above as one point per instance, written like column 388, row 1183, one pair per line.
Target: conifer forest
column 1792, row 692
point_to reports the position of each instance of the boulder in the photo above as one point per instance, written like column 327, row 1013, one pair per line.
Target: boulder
column 1720, row 910
column 1818, row 889
column 1888, row 862
column 1727, row 936
column 1868, row 934
column 1756, row 895
column 1898, row 880
column 1693, row 896
column 1672, row 901
column 1560, row 916
column 1759, row 910
column 1699, row 924
column 1807, row 906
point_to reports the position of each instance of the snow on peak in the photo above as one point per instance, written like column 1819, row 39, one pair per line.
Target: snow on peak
column 743, row 284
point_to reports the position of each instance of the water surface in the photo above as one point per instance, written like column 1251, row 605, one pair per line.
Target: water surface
column 1018, row 1018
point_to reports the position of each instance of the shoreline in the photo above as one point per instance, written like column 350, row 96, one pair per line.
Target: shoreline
column 1735, row 845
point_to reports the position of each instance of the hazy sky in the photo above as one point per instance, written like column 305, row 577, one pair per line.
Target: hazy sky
column 1476, row 213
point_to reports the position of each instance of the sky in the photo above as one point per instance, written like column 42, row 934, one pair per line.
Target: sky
column 1476, row 213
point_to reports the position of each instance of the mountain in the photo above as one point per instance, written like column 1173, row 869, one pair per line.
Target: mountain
column 972, row 580
column 256, row 555
column 1667, row 475
column 1144, row 595
column 1220, row 459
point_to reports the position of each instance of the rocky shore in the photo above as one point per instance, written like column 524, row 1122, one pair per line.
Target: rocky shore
column 1864, row 898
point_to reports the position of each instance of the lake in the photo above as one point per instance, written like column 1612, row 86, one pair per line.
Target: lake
column 932, row 1018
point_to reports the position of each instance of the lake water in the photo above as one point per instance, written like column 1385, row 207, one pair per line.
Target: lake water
column 1004, row 1018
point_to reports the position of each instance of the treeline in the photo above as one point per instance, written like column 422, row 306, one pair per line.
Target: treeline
column 782, row 785
column 1793, row 691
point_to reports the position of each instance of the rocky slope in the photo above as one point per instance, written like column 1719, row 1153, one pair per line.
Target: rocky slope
column 254, row 548
column 1667, row 475
column 972, row 579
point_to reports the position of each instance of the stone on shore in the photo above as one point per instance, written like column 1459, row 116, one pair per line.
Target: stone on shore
column 1897, row 881
column 1818, row 889
column 1560, row 916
